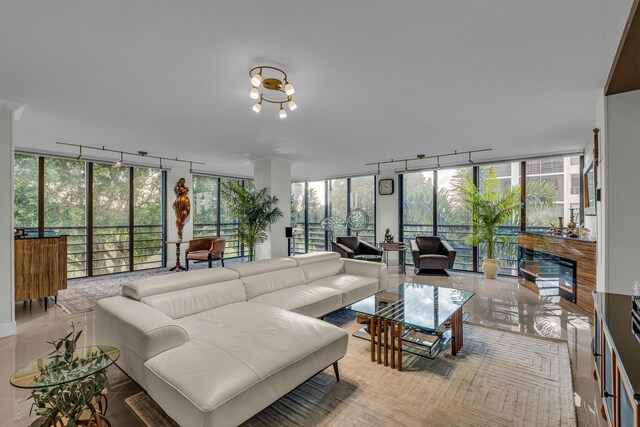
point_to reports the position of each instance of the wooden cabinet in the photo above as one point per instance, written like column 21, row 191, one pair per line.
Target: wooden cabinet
column 40, row 267
column 616, row 356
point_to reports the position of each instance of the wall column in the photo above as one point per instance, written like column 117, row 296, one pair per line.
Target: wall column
column 275, row 174
column 387, row 212
column 173, row 176
column 7, row 300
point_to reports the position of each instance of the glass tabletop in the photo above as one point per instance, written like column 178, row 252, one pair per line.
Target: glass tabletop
column 53, row 370
column 422, row 306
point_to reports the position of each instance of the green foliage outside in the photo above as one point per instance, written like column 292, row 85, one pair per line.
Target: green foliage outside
column 65, row 211
column 255, row 209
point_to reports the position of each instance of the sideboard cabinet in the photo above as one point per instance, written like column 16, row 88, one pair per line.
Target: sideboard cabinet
column 616, row 355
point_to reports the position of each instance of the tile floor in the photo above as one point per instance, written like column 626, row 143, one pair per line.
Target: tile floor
column 502, row 302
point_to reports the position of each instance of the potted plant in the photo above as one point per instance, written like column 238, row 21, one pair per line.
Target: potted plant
column 256, row 211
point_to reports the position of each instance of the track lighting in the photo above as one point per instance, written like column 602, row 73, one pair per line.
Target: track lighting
column 120, row 162
column 254, row 94
column 424, row 157
column 257, row 107
column 292, row 105
column 283, row 113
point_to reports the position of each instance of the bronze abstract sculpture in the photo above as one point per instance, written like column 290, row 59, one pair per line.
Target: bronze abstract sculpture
column 181, row 205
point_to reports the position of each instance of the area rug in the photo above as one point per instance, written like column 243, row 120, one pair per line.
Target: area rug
column 81, row 294
column 500, row 378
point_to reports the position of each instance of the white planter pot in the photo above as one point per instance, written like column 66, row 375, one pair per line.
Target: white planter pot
column 490, row 267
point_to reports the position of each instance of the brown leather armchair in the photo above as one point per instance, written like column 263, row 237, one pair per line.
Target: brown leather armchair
column 353, row 247
column 432, row 253
column 205, row 249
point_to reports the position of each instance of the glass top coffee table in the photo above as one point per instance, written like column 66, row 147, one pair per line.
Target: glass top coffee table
column 423, row 319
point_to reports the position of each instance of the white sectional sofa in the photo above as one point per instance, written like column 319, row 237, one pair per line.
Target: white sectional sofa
column 214, row 347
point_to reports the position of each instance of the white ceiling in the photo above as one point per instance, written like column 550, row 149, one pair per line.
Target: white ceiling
column 374, row 79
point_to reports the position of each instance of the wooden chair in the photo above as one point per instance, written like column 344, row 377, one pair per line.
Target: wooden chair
column 206, row 249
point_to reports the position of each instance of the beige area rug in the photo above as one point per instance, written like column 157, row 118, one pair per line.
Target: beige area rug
column 500, row 379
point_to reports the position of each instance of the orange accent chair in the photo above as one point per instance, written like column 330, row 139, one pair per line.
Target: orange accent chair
column 206, row 249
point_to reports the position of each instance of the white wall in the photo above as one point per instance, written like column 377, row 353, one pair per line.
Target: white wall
column 620, row 192
column 387, row 212
column 275, row 174
column 173, row 176
column 7, row 315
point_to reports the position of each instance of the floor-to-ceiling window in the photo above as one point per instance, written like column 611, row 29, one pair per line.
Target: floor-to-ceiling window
column 212, row 216
column 25, row 193
column 205, row 206
column 311, row 202
column 417, row 205
column 558, row 174
column 505, row 177
column 552, row 190
column 453, row 223
column 110, row 219
column 147, row 218
column 113, row 216
column 363, row 196
column 316, row 206
column 298, row 209
column 65, row 212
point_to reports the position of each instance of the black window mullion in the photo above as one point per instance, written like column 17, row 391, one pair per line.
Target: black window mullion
column 131, row 216
column 474, row 225
column 89, row 216
column 435, row 202
column 41, row 173
column 348, row 204
column 218, row 230
column 326, row 212
column 523, row 196
column 400, row 207
column 163, row 218
column 306, row 217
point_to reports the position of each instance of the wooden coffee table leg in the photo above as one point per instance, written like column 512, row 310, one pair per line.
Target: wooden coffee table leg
column 456, row 332
column 392, row 331
column 372, row 331
column 379, row 340
column 399, row 333
column 386, row 343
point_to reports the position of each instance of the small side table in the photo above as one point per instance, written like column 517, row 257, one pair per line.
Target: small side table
column 178, row 266
column 395, row 247
column 53, row 380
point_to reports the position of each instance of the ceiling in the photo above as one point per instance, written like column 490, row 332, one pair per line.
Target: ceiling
column 374, row 79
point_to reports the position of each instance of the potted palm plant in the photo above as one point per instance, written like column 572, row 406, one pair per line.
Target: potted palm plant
column 256, row 211
column 493, row 207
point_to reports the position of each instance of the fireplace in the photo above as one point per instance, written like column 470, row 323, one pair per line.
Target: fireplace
column 553, row 275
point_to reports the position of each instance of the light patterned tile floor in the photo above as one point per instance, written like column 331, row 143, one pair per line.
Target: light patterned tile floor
column 502, row 302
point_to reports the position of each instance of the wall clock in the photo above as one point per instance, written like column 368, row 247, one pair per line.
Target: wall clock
column 385, row 187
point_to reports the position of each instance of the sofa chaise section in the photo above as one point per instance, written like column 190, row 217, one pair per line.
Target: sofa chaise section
column 237, row 367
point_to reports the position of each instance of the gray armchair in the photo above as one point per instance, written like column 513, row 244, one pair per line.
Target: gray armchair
column 353, row 247
column 432, row 253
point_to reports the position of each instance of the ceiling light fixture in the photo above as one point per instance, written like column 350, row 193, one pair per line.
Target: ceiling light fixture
column 276, row 80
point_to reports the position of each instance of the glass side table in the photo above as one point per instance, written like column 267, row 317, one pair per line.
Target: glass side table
column 73, row 389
